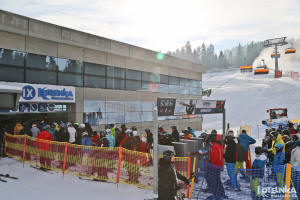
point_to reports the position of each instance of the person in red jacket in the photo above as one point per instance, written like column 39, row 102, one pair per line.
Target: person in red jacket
column 44, row 139
column 215, row 167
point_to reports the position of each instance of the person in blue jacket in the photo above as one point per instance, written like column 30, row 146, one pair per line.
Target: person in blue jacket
column 258, row 169
column 278, row 164
column 110, row 138
column 245, row 141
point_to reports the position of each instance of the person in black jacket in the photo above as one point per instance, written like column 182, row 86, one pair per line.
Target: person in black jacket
column 168, row 177
column 230, row 159
column 175, row 134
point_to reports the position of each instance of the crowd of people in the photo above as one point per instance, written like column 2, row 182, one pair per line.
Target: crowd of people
column 280, row 146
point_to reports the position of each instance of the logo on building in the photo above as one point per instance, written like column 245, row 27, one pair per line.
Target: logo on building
column 28, row 92
column 53, row 94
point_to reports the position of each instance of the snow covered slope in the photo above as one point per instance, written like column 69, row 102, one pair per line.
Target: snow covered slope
column 248, row 97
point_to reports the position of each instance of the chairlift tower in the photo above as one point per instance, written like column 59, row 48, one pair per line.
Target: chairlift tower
column 276, row 42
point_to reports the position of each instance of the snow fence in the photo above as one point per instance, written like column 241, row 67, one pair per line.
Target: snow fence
column 116, row 164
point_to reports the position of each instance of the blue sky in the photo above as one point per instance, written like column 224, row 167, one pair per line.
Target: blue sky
column 167, row 24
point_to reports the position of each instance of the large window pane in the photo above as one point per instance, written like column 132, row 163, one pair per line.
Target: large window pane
column 133, row 74
column 163, row 88
column 174, row 89
column 133, row 117
column 173, row 80
column 183, row 90
column 147, row 116
column 69, row 79
column 194, row 91
column 118, row 84
column 147, row 106
column 41, row 62
column 199, row 83
column 133, row 85
column 37, row 76
column 114, row 106
column 151, row 87
column 95, row 69
column 94, row 81
column 164, row 79
column 10, row 57
column 14, row 74
column 150, row 77
column 133, row 106
column 183, row 81
column 112, row 118
column 115, row 72
column 68, row 65
column 193, row 83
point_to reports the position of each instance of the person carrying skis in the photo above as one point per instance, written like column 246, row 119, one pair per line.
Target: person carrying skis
column 168, row 177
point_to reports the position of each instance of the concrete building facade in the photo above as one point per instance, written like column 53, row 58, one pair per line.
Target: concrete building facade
column 111, row 79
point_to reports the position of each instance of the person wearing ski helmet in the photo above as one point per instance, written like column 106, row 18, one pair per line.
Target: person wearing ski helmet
column 276, row 139
column 278, row 164
column 168, row 177
column 289, row 146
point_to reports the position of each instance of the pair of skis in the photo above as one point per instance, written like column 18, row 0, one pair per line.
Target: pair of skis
column 3, row 176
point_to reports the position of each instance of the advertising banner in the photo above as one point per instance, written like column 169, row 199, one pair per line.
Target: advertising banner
column 45, row 93
column 166, row 106
column 276, row 113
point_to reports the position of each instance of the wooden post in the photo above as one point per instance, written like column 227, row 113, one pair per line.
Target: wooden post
column 189, row 175
column 119, row 165
column 192, row 186
column 65, row 159
column 288, row 181
column 24, row 149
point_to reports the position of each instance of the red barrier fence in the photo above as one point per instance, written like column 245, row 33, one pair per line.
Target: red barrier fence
column 293, row 75
column 116, row 164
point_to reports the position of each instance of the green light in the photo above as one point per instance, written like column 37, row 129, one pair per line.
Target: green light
column 160, row 56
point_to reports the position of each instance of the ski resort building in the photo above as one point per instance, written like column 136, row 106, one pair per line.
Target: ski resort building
column 71, row 75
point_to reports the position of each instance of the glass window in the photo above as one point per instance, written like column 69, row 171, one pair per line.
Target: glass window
column 133, row 117
column 183, row 90
column 69, row 79
column 147, row 116
column 95, row 69
column 94, row 81
column 68, row 65
column 133, row 85
column 114, row 106
column 183, row 81
column 133, row 106
column 8, row 73
column 112, row 118
column 10, row 57
column 147, row 106
column 164, row 79
column 41, row 62
column 194, row 91
column 115, row 72
column 153, row 87
column 118, row 84
column 133, row 74
column 199, row 84
column 174, row 89
column 163, row 88
column 199, row 91
column 150, row 77
column 173, row 80
column 193, row 83
column 42, row 77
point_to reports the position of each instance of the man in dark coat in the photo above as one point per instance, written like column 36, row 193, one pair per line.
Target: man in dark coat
column 168, row 177
column 175, row 134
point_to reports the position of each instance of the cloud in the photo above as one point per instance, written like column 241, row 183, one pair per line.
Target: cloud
column 168, row 24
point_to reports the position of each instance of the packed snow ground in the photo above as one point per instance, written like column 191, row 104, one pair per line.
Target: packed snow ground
column 34, row 184
column 247, row 99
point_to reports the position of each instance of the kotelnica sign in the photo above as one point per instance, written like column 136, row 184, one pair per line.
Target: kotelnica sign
column 45, row 93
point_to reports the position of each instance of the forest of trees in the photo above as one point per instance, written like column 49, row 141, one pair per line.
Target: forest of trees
column 235, row 57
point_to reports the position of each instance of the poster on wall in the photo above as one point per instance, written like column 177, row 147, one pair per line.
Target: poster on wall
column 185, row 107
column 166, row 106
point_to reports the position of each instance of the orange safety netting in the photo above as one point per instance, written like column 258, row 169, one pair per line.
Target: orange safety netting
column 116, row 164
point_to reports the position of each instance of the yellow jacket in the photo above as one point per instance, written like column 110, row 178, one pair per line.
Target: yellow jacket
column 278, row 140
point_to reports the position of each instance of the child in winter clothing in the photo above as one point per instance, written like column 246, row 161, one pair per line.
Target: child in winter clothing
column 258, row 168
column 278, row 164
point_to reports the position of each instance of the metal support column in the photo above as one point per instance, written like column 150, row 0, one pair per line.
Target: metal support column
column 155, row 146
